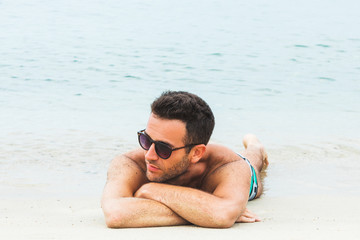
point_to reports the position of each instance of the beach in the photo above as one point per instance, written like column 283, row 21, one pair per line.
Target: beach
column 311, row 217
column 77, row 80
column 315, row 196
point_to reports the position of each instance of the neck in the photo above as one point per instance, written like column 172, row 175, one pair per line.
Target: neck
column 191, row 177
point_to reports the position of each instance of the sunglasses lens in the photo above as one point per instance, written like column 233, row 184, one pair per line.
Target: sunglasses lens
column 144, row 141
column 163, row 150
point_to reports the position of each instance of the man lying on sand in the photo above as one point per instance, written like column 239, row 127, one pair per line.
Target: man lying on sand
column 176, row 177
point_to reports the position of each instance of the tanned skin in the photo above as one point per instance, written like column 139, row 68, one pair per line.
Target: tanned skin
column 208, row 187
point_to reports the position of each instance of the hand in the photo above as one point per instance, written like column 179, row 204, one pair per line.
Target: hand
column 248, row 217
column 143, row 191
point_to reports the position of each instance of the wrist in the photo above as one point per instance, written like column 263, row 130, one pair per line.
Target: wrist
column 145, row 191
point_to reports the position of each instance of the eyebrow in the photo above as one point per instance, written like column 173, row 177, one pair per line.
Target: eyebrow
column 167, row 143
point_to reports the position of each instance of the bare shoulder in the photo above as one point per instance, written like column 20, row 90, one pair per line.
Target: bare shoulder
column 126, row 174
column 218, row 155
column 132, row 160
column 228, row 171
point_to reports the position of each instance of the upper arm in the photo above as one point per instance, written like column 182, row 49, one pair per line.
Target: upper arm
column 125, row 175
column 231, row 183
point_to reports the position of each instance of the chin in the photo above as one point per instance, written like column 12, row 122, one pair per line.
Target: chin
column 153, row 178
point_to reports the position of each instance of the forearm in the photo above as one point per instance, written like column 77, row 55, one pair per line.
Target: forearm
column 139, row 212
column 196, row 206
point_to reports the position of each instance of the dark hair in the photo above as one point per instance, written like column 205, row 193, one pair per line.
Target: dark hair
column 191, row 110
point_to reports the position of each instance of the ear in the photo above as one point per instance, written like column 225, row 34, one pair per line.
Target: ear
column 197, row 152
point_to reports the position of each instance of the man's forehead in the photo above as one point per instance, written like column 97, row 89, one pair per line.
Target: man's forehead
column 171, row 131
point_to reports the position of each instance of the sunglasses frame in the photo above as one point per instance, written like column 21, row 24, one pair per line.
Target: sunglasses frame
column 142, row 132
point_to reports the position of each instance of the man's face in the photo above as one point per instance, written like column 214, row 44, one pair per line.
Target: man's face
column 171, row 132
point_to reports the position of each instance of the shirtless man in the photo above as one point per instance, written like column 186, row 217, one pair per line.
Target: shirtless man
column 176, row 177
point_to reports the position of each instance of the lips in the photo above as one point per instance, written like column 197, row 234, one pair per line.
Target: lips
column 152, row 168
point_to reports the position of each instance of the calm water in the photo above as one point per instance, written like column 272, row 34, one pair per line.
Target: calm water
column 77, row 77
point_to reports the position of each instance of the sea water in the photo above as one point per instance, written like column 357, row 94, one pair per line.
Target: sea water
column 77, row 79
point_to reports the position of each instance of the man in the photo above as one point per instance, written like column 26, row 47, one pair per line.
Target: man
column 176, row 177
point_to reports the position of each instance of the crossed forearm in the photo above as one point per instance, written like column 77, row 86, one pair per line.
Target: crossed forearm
column 197, row 207
column 139, row 212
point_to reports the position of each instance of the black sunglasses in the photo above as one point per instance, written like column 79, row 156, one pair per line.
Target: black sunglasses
column 162, row 149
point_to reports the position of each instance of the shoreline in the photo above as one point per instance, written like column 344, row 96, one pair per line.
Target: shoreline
column 70, row 167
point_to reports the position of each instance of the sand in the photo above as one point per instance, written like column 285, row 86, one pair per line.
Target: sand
column 311, row 192
column 310, row 217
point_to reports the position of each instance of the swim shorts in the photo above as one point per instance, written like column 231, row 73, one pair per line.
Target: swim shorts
column 254, row 183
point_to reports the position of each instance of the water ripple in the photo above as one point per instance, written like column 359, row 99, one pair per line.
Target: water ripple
column 301, row 46
column 327, row 79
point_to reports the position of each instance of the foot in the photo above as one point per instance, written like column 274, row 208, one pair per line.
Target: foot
column 252, row 143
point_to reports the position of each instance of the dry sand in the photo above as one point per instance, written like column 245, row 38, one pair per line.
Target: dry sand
column 311, row 192
column 310, row 217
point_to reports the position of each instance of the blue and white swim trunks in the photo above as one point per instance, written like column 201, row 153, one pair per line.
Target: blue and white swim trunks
column 254, row 183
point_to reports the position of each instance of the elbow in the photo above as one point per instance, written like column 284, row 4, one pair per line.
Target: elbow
column 227, row 215
column 227, row 223
column 115, row 217
column 113, row 221
column 224, row 222
column 225, row 218
column 110, row 222
column 216, row 221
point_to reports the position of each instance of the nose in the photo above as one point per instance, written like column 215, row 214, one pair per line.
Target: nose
column 151, row 154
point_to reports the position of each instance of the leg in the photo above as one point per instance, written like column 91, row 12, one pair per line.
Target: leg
column 255, row 152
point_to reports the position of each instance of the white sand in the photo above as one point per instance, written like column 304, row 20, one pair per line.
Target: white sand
column 310, row 217
column 52, row 191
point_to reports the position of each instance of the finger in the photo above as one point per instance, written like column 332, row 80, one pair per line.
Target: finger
column 248, row 216
column 244, row 219
column 257, row 219
column 247, row 213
